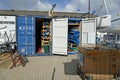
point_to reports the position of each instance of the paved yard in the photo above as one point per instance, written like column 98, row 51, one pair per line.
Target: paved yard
column 43, row 68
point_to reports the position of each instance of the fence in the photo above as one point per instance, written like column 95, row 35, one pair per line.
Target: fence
column 99, row 64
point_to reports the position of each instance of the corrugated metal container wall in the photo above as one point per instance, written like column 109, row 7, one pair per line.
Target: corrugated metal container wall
column 26, row 35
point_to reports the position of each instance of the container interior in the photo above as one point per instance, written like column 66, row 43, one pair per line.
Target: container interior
column 42, row 35
column 73, row 34
column 38, row 22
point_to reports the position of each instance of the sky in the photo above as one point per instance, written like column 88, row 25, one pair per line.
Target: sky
column 81, row 6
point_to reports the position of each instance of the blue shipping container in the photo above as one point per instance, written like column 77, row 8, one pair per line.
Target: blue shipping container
column 26, row 35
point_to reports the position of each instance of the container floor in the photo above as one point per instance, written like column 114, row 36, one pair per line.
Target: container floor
column 44, row 68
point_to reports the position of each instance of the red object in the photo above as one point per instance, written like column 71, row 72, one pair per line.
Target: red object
column 39, row 50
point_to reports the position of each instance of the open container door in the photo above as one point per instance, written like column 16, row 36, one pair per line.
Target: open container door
column 59, row 36
column 88, row 32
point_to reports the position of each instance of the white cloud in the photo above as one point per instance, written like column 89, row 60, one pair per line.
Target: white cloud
column 113, row 6
column 44, row 6
column 72, row 6
column 27, row 5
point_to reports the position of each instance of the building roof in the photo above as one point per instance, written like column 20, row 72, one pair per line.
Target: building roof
column 45, row 13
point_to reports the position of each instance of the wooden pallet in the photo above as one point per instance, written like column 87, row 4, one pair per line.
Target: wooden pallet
column 45, row 42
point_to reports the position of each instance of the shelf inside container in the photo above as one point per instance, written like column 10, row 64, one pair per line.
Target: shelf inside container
column 45, row 26
column 42, row 34
column 73, row 24
column 73, row 29
column 43, row 30
column 46, row 37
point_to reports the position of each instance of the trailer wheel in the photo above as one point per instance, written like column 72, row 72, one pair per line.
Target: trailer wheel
column 117, row 75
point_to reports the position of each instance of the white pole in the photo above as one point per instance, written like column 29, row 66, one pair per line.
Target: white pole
column 106, row 6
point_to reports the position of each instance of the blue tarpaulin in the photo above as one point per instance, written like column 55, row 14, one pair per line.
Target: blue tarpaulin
column 73, row 36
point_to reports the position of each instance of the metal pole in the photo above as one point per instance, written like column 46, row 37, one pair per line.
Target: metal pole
column 51, row 11
column 115, row 19
column 26, row 33
column 116, row 38
column 106, row 6
column 91, row 70
column 33, row 38
column 89, row 9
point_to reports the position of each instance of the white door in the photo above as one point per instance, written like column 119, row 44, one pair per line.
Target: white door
column 92, row 38
column 59, row 36
column 88, row 32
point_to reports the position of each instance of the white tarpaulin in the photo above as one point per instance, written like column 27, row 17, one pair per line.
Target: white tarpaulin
column 104, row 21
column 7, row 29
column 113, row 29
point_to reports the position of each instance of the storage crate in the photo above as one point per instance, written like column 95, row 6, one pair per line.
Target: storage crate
column 46, row 49
column 99, row 63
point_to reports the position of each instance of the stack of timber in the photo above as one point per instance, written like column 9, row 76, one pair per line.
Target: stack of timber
column 5, row 60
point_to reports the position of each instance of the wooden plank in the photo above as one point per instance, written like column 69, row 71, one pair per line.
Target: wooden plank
column 43, row 38
column 101, row 77
column 4, row 56
column 45, row 26
column 5, row 60
column 43, row 30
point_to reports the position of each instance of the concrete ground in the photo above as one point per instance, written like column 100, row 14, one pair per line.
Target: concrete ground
column 44, row 68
